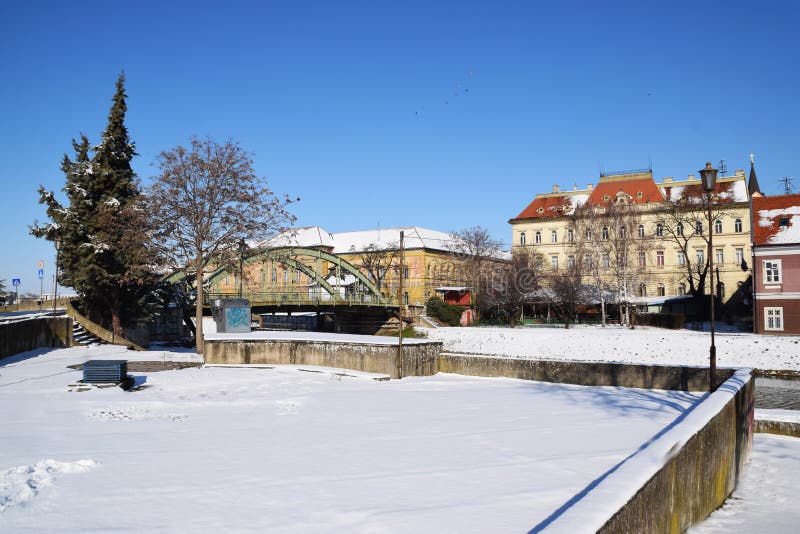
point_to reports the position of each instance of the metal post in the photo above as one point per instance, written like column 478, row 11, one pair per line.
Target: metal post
column 55, row 277
column 713, row 349
column 242, row 246
column 400, row 313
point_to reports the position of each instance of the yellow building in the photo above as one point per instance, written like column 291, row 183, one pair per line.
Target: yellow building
column 428, row 264
column 664, row 224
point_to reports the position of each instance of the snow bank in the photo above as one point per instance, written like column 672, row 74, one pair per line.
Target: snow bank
column 19, row 485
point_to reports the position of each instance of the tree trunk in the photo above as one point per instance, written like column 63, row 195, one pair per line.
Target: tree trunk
column 603, row 310
column 198, row 307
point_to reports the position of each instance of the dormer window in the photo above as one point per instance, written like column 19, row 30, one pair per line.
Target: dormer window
column 606, row 198
column 540, row 210
column 639, row 194
column 784, row 221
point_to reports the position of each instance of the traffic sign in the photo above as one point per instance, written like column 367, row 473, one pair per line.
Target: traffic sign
column 41, row 274
column 41, row 264
column 16, row 282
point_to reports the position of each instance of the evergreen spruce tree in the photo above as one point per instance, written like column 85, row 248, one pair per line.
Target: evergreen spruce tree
column 104, row 255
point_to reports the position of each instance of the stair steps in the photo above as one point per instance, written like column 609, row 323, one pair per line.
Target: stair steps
column 80, row 336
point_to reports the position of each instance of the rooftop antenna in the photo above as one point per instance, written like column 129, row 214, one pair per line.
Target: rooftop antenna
column 787, row 184
column 723, row 168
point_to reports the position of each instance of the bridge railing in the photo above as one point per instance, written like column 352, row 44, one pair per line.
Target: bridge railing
column 270, row 298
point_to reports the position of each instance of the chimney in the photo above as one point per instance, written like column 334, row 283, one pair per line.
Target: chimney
column 739, row 172
column 555, row 189
column 668, row 180
column 690, row 177
column 589, row 186
column 574, row 187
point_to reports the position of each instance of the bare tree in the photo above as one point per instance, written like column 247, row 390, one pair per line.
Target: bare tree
column 475, row 251
column 566, row 291
column 685, row 223
column 582, row 235
column 510, row 286
column 377, row 261
column 205, row 199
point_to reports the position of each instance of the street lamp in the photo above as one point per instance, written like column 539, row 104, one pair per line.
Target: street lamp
column 709, row 178
column 242, row 249
column 55, row 276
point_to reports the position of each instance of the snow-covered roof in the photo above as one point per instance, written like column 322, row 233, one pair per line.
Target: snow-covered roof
column 777, row 220
column 309, row 236
column 415, row 237
column 452, row 288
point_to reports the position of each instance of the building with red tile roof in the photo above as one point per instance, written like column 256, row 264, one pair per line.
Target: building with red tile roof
column 776, row 264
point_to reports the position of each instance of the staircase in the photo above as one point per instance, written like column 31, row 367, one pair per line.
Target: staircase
column 80, row 336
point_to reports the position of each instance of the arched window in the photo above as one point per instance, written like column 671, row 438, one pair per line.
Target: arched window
column 698, row 227
column 537, row 237
column 641, row 230
column 622, row 232
column 679, row 229
column 737, row 225
column 588, row 234
column 642, row 258
column 642, row 290
column 659, row 230
column 554, row 237
column 604, row 233
column 717, row 226
column 570, row 235
column 522, row 238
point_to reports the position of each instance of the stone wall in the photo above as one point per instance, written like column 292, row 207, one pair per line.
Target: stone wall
column 583, row 373
column 30, row 334
column 419, row 359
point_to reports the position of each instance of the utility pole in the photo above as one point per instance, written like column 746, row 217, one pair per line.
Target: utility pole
column 400, row 312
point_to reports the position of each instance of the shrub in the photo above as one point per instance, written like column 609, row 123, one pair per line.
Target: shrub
column 447, row 313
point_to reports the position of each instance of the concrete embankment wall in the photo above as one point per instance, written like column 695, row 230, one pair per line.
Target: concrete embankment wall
column 782, row 428
column 419, row 359
column 28, row 334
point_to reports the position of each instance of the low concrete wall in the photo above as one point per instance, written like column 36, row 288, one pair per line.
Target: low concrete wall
column 782, row 428
column 583, row 373
column 702, row 473
column 29, row 334
column 419, row 359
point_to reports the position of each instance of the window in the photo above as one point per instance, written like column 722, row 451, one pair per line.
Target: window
column 679, row 229
column 537, row 237
column 698, row 227
column 681, row 258
column 639, row 194
column 285, row 277
column 622, row 232
column 737, row 226
column 681, row 289
column 538, row 262
column 661, row 290
column 739, row 256
column 522, row 238
column 587, row 260
column 554, row 262
column 606, row 261
column 659, row 230
column 784, row 221
column 772, row 271
column 297, row 276
column 700, row 257
column 554, row 237
column 642, row 258
column 604, row 233
column 540, row 210
column 606, row 198
column 570, row 235
column 773, row 318
column 570, row 262
column 642, row 290
column 717, row 226
column 660, row 258
column 720, row 290
column 588, row 234
column 405, row 298
column 405, row 271
column 274, row 275
column 719, row 256
column 640, row 232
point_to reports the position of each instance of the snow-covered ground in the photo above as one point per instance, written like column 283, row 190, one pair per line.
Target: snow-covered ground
column 229, row 449
column 618, row 344
column 767, row 498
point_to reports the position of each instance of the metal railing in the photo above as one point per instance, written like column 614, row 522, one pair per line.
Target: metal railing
column 271, row 298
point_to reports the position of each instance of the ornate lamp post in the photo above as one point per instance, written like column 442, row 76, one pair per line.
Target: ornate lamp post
column 709, row 178
column 55, row 277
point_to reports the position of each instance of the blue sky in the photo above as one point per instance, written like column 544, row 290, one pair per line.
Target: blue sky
column 439, row 114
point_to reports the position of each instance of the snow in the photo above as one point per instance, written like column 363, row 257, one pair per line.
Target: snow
column 785, row 234
column 786, row 416
column 618, row 344
column 766, row 499
column 232, row 449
